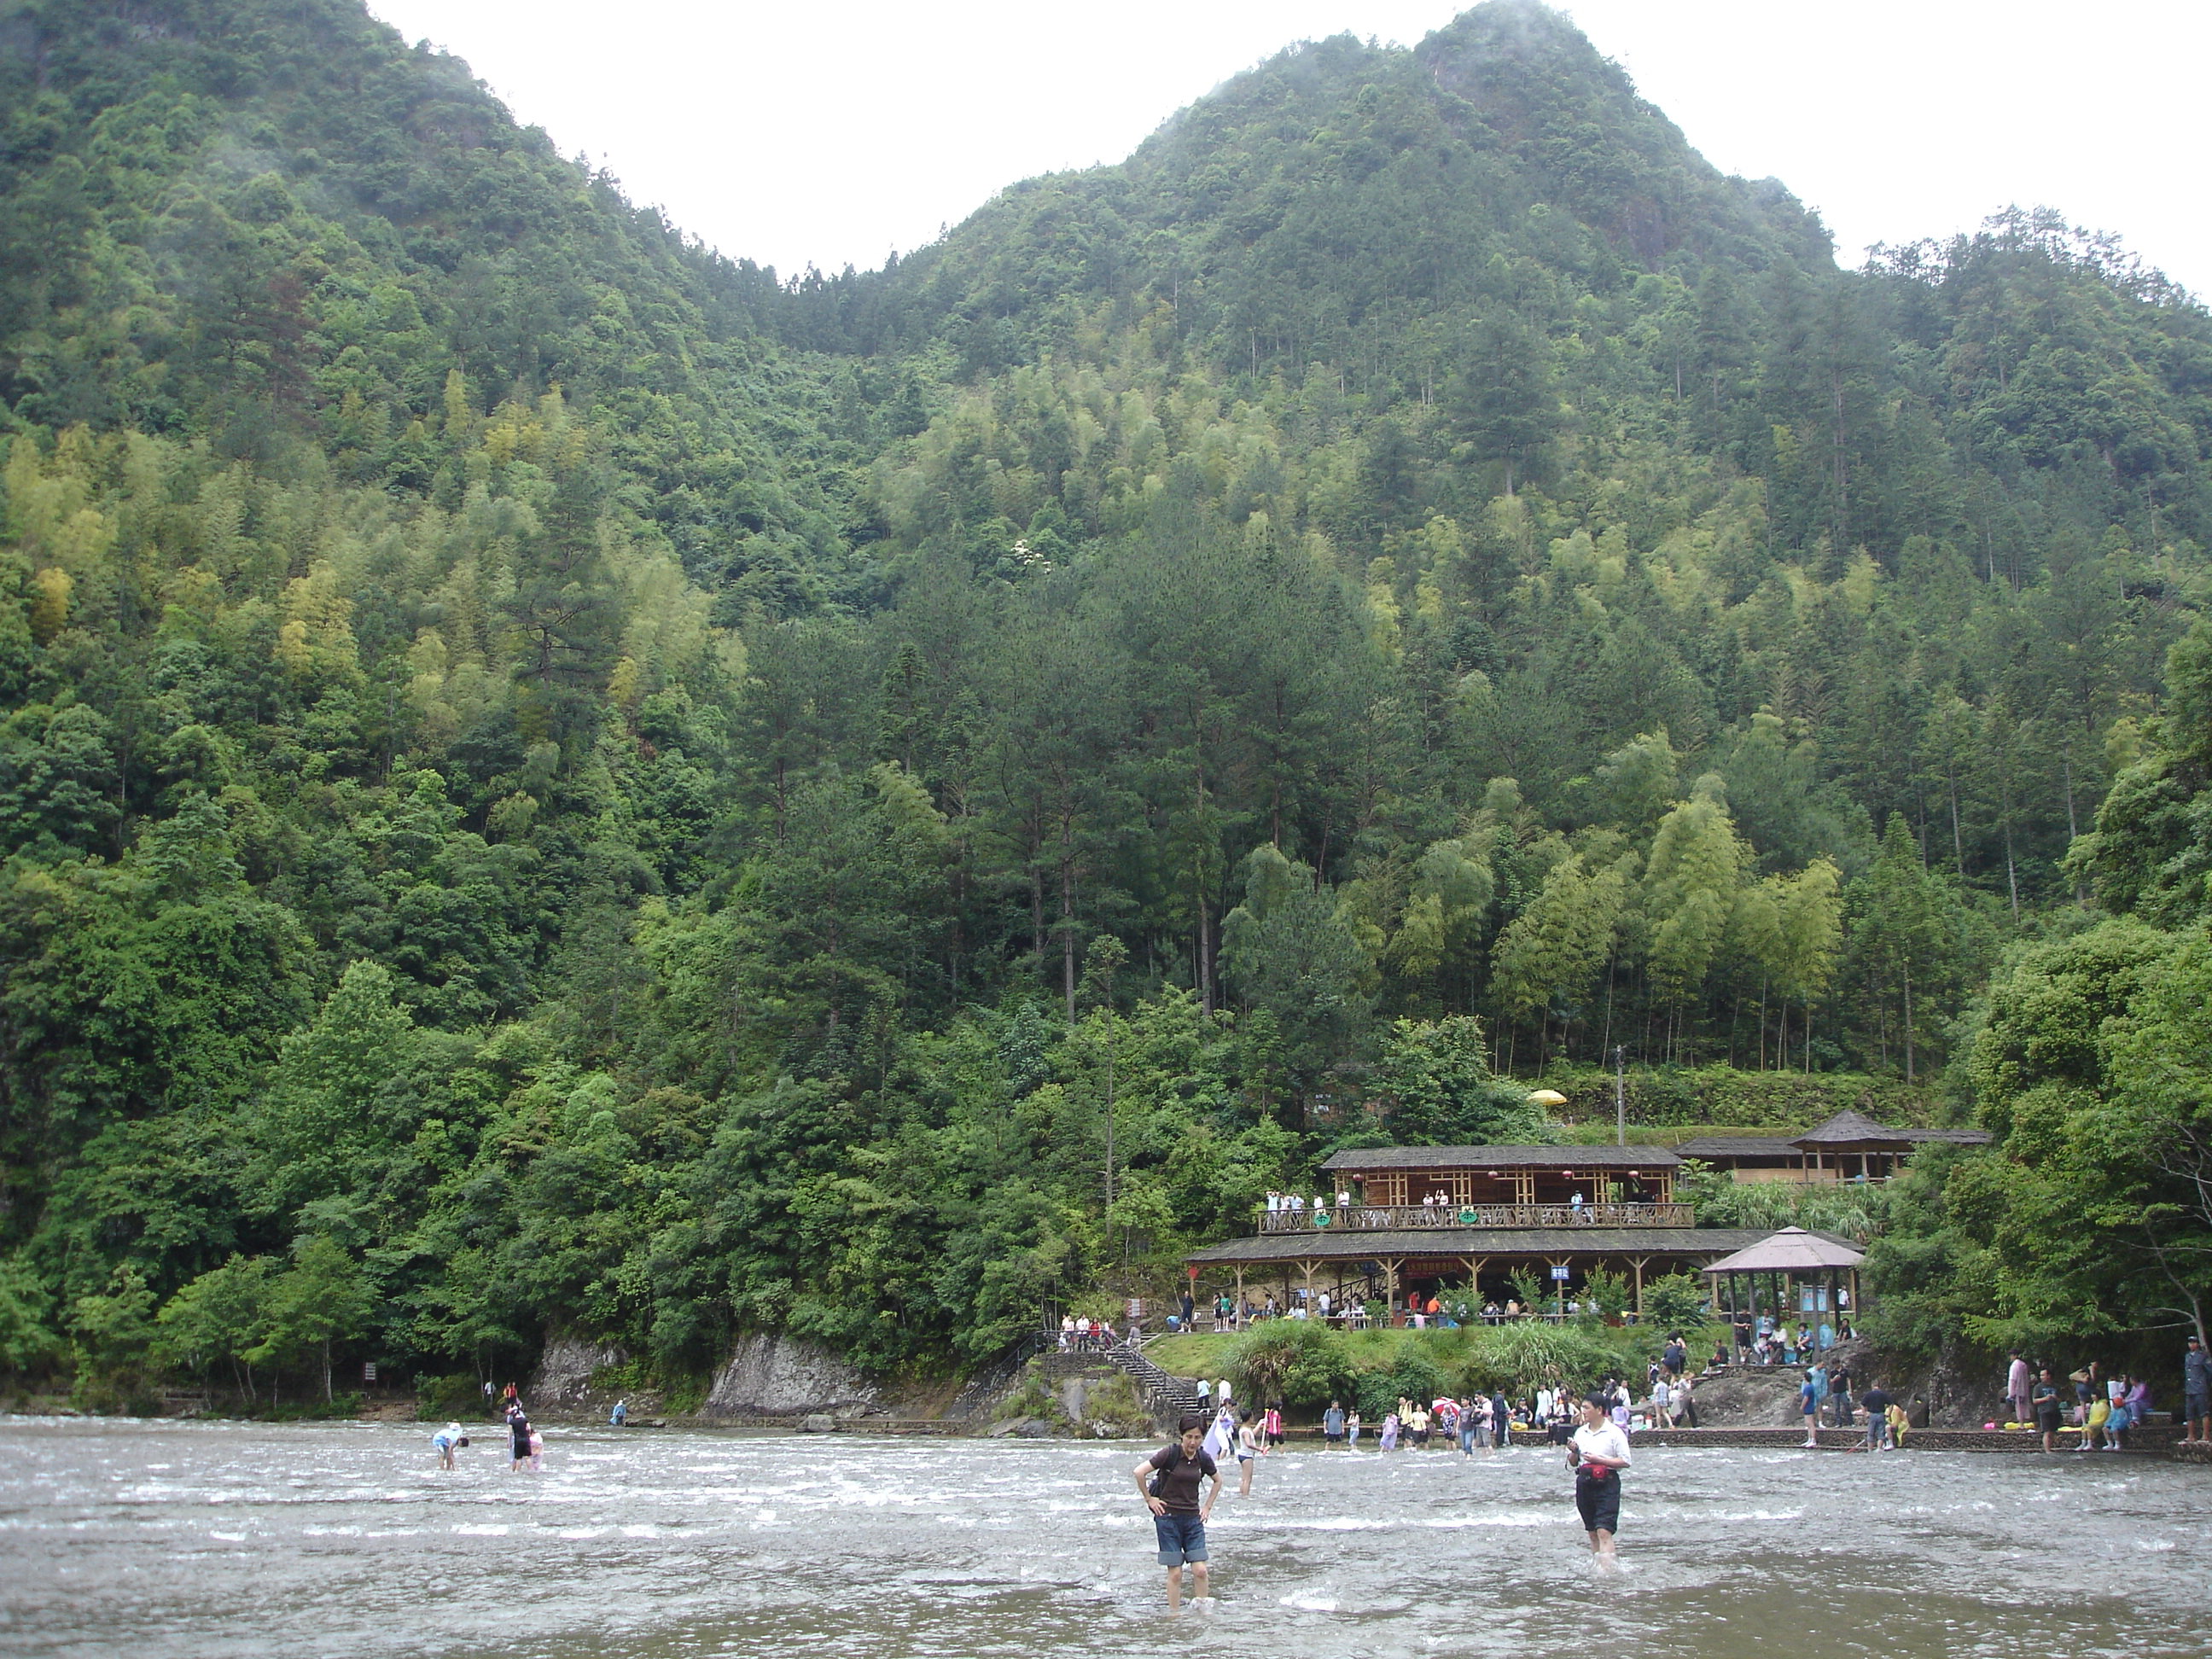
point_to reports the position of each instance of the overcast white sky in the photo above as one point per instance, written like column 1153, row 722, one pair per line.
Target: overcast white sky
column 832, row 133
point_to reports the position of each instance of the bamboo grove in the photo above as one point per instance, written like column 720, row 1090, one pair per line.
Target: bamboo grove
column 557, row 780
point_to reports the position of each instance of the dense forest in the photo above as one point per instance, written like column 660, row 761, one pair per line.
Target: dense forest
column 555, row 779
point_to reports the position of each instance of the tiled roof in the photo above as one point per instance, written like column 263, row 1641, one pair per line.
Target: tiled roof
column 1491, row 1157
column 1736, row 1146
column 1792, row 1250
column 1848, row 1128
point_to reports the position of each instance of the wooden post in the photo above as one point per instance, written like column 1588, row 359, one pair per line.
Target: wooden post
column 1474, row 1265
column 1239, row 1313
column 1306, row 1268
column 1637, row 1262
column 1390, row 1289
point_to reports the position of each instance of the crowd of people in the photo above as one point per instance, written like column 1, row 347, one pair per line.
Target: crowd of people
column 1594, row 1427
column 1228, row 1314
column 2104, row 1408
column 1771, row 1341
column 1825, row 1400
column 1087, row 1335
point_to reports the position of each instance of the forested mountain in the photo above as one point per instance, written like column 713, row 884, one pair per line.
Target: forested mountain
column 555, row 779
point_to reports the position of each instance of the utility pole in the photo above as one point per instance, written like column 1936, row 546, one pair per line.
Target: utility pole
column 1619, row 1098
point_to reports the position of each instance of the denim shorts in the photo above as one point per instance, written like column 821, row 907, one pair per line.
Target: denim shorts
column 1183, row 1538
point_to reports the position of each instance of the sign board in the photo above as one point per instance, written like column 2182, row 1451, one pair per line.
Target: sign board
column 1560, row 1274
column 368, row 1371
column 1193, row 1275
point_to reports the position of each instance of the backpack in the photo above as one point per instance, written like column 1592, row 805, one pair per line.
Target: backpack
column 1174, row 1461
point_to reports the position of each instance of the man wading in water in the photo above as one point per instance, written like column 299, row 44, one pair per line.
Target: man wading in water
column 1168, row 1481
column 1597, row 1453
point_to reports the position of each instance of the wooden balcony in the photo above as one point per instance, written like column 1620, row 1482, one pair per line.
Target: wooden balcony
column 1414, row 1217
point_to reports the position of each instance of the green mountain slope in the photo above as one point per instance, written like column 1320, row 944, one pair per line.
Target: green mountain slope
column 551, row 779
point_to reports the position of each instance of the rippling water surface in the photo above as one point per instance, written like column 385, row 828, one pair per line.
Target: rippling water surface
column 191, row 1540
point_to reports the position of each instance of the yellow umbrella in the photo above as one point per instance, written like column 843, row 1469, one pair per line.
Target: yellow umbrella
column 1548, row 1097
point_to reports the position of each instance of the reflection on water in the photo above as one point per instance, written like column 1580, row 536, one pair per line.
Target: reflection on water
column 191, row 1540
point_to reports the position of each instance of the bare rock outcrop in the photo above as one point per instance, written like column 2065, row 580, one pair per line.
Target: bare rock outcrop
column 771, row 1374
column 564, row 1372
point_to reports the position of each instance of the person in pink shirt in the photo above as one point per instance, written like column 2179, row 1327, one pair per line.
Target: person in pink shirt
column 2019, row 1389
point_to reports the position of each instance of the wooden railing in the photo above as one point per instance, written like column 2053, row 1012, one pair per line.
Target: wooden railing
column 1412, row 1217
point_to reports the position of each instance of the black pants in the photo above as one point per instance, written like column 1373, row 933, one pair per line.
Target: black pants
column 1598, row 1501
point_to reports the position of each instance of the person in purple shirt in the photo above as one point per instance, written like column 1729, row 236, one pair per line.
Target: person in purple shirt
column 2019, row 1389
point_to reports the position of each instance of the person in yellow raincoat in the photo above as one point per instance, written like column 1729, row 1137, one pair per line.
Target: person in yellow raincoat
column 2100, row 1412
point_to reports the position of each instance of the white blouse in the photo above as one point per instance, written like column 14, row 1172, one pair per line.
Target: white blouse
column 1605, row 1441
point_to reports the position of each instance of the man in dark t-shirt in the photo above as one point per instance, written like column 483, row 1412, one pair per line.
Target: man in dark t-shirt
column 1876, row 1401
column 2042, row 1400
column 1168, row 1482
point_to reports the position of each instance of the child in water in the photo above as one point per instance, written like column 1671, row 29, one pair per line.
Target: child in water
column 536, row 1452
column 445, row 1440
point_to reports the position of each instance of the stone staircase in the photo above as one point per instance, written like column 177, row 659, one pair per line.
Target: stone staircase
column 1163, row 1393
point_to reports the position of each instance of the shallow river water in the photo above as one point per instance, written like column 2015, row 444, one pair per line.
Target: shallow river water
column 186, row 1539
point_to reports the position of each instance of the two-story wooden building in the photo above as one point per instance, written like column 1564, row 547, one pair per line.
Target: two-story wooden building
column 1849, row 1146
column 1398, row 1221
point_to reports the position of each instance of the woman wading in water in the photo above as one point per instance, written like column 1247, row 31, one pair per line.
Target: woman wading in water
column 1168, row 1481
column 1597, row 1453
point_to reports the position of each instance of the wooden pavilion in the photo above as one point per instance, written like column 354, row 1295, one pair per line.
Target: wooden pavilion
column 1465, row 1218
column 1849, row 1146
column 1806, row 1270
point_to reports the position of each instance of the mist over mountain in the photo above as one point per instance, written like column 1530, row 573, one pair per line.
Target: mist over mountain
column 538, row 755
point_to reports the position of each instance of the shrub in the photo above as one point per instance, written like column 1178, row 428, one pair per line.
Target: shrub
column 1606, row 1292
column 1412, row 1375
column 1532, row 1290
column 438, row 1398
column 1519, row 1357
column 1033, row 1397
column 1678, row 1299
column 1295, row 1361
